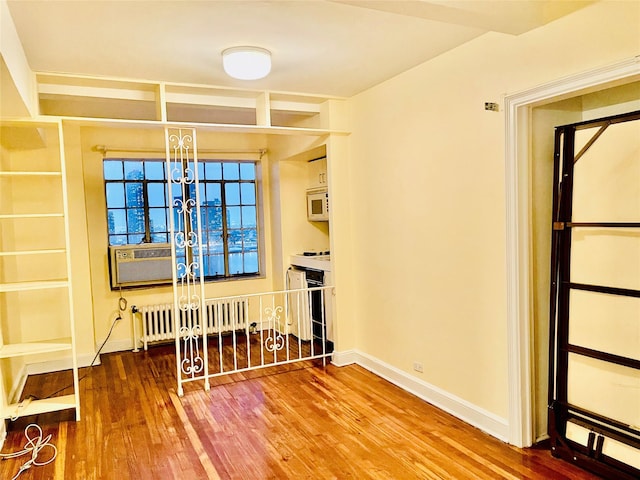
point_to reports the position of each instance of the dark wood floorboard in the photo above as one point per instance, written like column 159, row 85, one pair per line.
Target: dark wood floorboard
column 305, row 422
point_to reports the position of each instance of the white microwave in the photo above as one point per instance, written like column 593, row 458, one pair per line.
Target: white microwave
column 318, row 205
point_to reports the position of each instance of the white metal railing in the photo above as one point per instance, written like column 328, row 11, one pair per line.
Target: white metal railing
column 276, row 328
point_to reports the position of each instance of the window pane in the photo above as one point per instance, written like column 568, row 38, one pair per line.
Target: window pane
column 213, row 240
column 159, row 238
column 155, row 194
column 212, row 218
column 115, row 195
column 248, row 191
column 231, row 170
column 248, row 216
column 235, row 241
column 180, row 252
column 251, row 262
column 117, row 221
column 214, row 194
column 113, row 170
column 215, row 265
column 232, row 193
column 176, row 191
column 250, row 238
column 117, row 239
column 135, row 196
column 192, row 192
column 154, row 170
column 178, row 224
column 233, row 217
column 135, row 220
column 136, row 239
column 133, row 170
column 213, row 171
column 157, row 220
column 248, row 171
column 235, row 263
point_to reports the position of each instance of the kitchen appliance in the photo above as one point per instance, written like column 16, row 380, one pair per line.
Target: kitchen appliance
column 318, row 204
column 306, row 321
column 299, row 317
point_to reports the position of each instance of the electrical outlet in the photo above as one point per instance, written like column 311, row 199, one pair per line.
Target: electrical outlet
column 417, row 366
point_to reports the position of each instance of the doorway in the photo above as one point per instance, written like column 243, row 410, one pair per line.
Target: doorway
column 521, row 310
column 594, row 394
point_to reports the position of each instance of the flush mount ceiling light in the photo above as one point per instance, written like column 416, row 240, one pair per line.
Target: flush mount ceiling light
column 246, row 63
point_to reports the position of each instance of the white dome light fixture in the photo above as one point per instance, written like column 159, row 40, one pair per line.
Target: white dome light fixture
column 246, row 63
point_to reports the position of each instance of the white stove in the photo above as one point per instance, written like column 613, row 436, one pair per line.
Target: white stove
column 316, row 262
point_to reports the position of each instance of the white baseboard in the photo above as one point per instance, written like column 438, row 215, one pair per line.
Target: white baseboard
column 36, row 368
column 342, row 359
column 458, row 407
column 117, row 346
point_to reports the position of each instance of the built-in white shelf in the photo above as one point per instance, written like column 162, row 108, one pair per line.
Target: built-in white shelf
column 30, row 174
column 40, row 285
column 39, row 167
column 34, row 348
column 15, row 216
column 36, row 407
column 102, row 99
column 33, row 252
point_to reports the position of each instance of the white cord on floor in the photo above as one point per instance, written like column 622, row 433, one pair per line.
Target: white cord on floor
column 34, row 445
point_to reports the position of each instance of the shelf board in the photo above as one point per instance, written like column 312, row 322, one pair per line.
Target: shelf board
column 33, row 252
column 11, row 216
column 30, row 174
column 213, row 127
column 24, row 286
column 34, row 348
column 36, row 407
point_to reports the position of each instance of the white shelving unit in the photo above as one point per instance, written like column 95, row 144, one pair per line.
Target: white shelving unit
column 34, row 258
column 104, row 102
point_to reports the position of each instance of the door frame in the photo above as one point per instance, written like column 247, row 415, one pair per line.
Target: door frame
column 518, row 245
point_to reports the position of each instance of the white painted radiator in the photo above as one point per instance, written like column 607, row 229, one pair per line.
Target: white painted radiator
column 222, row 316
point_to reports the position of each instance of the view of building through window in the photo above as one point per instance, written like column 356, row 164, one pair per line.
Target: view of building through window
column 138, row 211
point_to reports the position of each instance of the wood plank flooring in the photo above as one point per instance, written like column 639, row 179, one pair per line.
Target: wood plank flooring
column 307, row 422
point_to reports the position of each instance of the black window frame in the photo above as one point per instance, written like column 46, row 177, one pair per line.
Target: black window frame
column 228, row 232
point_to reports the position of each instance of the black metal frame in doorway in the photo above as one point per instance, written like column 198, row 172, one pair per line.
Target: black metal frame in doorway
column 601, row 428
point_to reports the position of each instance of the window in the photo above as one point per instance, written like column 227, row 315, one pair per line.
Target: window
column 138, row 211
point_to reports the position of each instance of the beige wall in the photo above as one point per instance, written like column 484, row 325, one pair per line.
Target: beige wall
column 428, row 206
column 290, row 181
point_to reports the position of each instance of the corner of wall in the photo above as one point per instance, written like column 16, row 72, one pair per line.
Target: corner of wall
column 472, row 414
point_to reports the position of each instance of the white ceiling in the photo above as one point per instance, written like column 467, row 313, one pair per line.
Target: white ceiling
column 326, row 47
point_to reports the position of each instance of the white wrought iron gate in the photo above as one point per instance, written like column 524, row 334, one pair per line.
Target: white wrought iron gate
column 219, row 336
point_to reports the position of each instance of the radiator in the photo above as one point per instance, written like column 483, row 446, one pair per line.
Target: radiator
column 222, row 316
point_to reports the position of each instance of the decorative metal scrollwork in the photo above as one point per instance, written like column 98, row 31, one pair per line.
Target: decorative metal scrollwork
column 274, row 340
column 192, row 362
column 182, row 169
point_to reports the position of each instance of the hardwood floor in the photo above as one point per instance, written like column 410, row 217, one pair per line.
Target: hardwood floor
column 309, row 422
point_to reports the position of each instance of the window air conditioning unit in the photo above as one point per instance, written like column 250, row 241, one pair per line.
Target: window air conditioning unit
column 139, row 265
